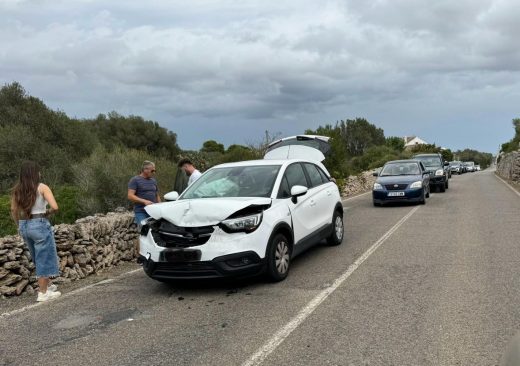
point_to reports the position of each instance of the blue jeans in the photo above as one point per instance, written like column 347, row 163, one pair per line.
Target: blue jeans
column 39, row 238
column 140, row 216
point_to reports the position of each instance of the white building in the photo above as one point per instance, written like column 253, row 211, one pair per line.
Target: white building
column 411, row 141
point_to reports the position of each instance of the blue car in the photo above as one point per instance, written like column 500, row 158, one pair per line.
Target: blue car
column 401, row 181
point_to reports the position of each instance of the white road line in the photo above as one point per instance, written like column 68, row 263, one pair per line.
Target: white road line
column 273, row 343
column 508, row 185
column 68, row 294
column 359, row 195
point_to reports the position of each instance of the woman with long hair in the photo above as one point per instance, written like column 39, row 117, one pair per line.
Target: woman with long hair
column 29, row 200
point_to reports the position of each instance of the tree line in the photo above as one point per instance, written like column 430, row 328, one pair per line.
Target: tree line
column 88, row 162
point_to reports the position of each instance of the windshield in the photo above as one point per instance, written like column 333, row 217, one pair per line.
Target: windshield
column 400, row 169
column 469, row 163
column 238, row 181
column 429, row 160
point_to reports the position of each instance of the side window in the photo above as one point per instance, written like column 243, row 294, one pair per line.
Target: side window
column 314, row 174
column 324, row 177
column 295, row 177
column 422, row 166
column 285, row 191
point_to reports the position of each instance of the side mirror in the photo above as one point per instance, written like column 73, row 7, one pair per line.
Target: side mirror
column 171, row 196
column 446, row 163
column 375, row 174
column 297, row 191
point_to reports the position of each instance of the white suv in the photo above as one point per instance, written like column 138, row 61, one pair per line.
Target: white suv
column 246, row 218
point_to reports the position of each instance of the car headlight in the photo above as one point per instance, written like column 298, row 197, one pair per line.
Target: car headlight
column 377, row 186
column 439, row 172
column 245, row 223
column 417, row 184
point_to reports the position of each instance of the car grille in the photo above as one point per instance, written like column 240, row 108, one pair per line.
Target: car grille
column 195, row 269
column 171, row 236
column 396, row 187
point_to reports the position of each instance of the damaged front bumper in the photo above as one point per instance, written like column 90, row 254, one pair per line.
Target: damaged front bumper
column 203, row 252
column 232, row 265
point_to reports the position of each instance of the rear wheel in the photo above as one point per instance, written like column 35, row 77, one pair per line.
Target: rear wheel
column 337, row 229
column 278, row 258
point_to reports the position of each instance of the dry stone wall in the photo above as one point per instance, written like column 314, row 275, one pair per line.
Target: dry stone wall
column 88, row 246
column 356, row 184
column 509, row 166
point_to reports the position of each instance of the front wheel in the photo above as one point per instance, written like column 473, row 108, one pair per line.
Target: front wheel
column 337, row 229
column 278, row 258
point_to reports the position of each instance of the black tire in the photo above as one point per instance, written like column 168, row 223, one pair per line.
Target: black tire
column 442, row 187
column 376, row 204
column 428, row 193
column 447, row 184
column 278, row 258
column 338, row 230
column 423, row 199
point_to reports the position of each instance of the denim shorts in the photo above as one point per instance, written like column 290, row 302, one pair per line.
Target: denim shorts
column 39, row 238
column 140, row 216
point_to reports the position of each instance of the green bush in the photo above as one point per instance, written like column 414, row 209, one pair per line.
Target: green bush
column 7, row 226
column 102, row 178
column 375, row 157
column 67, row 199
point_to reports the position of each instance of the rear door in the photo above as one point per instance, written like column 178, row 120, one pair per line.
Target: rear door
column 322, row 191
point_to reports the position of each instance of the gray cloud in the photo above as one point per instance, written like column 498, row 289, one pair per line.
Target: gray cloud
column 218, row 61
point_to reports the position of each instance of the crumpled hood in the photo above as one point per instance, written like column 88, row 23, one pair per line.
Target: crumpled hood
column 201, row 211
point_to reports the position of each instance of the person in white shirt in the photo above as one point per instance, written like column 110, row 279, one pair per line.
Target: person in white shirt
column 190, row 170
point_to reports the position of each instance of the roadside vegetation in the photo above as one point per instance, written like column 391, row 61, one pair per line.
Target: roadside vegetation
column 514, row 143
column 87, row 162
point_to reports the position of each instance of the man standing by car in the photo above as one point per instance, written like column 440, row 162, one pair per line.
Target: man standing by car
column 190, row 170
column 143, row 191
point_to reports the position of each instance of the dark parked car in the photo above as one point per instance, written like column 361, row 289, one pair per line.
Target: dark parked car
column 401, row 181
column 434, row 163
column 447, row 169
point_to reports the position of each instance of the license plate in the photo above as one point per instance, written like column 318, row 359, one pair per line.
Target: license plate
column 182, row 255
column 395, row 194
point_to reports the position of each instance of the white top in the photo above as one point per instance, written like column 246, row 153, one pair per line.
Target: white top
column 40, row 205
column 194, row 176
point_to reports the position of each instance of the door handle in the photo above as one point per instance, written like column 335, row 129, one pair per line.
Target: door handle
column 313, row 203
column 329, row 193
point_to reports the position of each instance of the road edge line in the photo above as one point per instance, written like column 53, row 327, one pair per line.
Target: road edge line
column 272, row 344
column 356, row 196
column 507, row 184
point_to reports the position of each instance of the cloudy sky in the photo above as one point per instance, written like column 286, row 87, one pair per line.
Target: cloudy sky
column 447, row 71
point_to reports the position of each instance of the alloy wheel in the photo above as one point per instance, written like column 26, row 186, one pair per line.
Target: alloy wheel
column 339, row 227
column 281, row 257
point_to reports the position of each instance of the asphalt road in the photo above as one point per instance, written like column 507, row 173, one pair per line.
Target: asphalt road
column 410, row 285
